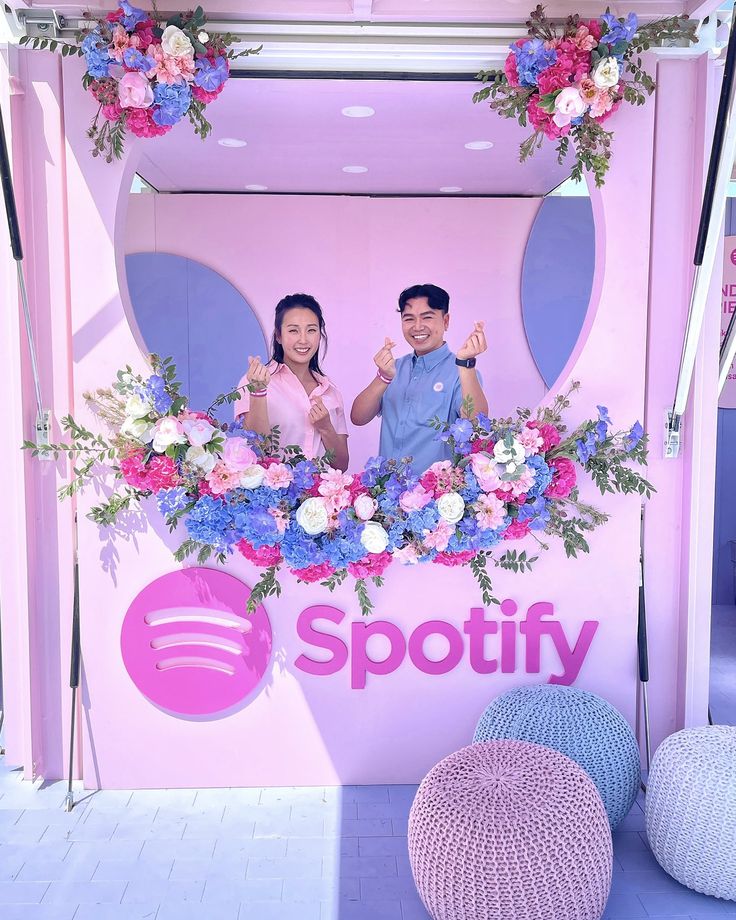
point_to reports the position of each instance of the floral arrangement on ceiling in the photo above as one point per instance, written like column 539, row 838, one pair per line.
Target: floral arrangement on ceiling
column 147, row 74
column 235, row 491
column 567, row 81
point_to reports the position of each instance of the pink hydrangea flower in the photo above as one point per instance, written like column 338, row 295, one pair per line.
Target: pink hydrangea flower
column 550, row 435
column 370, row 566
column 280, row 517
column 168, row 69
column 441, row 478
column 490, row 512
column 453, row 559
column 531, row 440
column 314, row 573
column 516, row 530
column 263, row 556
column 407, row 555
column 159, row 473
column 564, row 477
column 414, row 499
column 222, row 479
column 439, row 537
column 542, row 121
column 278, row 476
column 140, row 122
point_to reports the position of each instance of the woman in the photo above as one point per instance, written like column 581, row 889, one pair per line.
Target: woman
column 291, row 391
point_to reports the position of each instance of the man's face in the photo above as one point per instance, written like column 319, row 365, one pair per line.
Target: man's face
column 423, row 328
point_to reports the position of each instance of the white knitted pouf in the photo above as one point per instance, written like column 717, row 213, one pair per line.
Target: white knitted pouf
column 691, row 809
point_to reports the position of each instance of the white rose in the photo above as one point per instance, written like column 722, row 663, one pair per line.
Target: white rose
column 203, row 37
column 176, row 43
column 374, row 538
column 137, row 407
column 198, row 430
column 365, row 507
column 606, row 73
column 510, row 453
column 137, row 428
column 201, row 458
column 167, row 431
column 312, row 516
column 252, row 476
column 451, row 507
column 569, row 104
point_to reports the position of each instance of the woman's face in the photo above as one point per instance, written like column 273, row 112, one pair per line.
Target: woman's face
column 300, row 335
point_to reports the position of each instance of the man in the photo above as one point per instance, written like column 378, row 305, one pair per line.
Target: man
column 409, row 391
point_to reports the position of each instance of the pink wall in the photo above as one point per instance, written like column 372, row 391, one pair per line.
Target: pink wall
column 305, row 729
column 355, row 255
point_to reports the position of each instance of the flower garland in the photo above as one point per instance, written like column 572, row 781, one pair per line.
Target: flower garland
column 237, row 491
column 146, row 77
column 567, row 84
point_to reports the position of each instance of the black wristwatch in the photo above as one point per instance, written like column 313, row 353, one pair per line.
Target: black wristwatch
column 465, row 362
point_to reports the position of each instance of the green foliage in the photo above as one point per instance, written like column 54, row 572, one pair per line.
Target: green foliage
column 361, row 590
column 266, row 586
column 478, row 566
column 516, row 561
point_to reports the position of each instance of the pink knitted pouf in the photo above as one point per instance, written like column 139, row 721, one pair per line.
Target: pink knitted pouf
column 508, row 830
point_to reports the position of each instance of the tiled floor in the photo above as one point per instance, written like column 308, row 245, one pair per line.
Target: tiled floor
column 273, row 854
column 252, row 854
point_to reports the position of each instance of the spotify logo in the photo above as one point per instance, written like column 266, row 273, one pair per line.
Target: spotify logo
column 189, row 645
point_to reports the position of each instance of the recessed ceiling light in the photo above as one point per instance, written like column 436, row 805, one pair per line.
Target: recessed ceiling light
column 232, row 142
column 355, row 169
column 256, row 188
column 451, row 188
column 479, row 145
column 358, row 111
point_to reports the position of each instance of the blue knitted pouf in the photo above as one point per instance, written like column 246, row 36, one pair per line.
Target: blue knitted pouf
column 578, row 724
column 691, row 808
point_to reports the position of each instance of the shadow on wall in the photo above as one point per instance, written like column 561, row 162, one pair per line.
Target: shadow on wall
column 189, row 312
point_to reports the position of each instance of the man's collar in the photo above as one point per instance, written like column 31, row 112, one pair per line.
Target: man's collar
column 433, row 358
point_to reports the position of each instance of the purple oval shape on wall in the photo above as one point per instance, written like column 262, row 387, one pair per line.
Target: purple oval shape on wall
column 189, row 312
column 557, row 280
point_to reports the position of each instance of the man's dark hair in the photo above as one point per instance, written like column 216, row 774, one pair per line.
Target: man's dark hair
column 436, row 297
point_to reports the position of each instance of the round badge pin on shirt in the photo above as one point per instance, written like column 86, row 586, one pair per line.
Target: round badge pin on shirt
column 438, row 387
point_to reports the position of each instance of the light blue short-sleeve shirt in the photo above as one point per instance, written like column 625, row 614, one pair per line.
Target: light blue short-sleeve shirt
column 424, row 387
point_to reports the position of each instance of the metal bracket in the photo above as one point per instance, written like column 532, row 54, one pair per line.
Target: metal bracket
column 672, row 434
column 43, row 434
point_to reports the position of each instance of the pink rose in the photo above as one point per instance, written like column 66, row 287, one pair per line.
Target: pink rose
column 236, row 454
column 569, row 104
column 365, row 507
column 134, row 91
column 198, row 431
column 531, row 440
column 414, row 499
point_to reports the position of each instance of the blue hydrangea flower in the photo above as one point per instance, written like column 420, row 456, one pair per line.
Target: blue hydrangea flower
column 154, row 390
column 132, row 15
column 618, row 31
column 256, row 525
column 211, row 76
column 633, row 437
column 542, row 474
column 375, row 467
column 136, row 60
column 300, row 550
column 531, row 59
column 210, row 522
column 171, row 500
column 96, row 54
column 424, row 519
column 471, row 490
column 172, row 101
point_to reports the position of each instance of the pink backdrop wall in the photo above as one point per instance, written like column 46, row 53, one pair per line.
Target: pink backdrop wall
column 305, row 729
column 355, row 255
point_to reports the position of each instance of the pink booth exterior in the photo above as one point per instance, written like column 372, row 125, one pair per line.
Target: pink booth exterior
column 336, row 715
